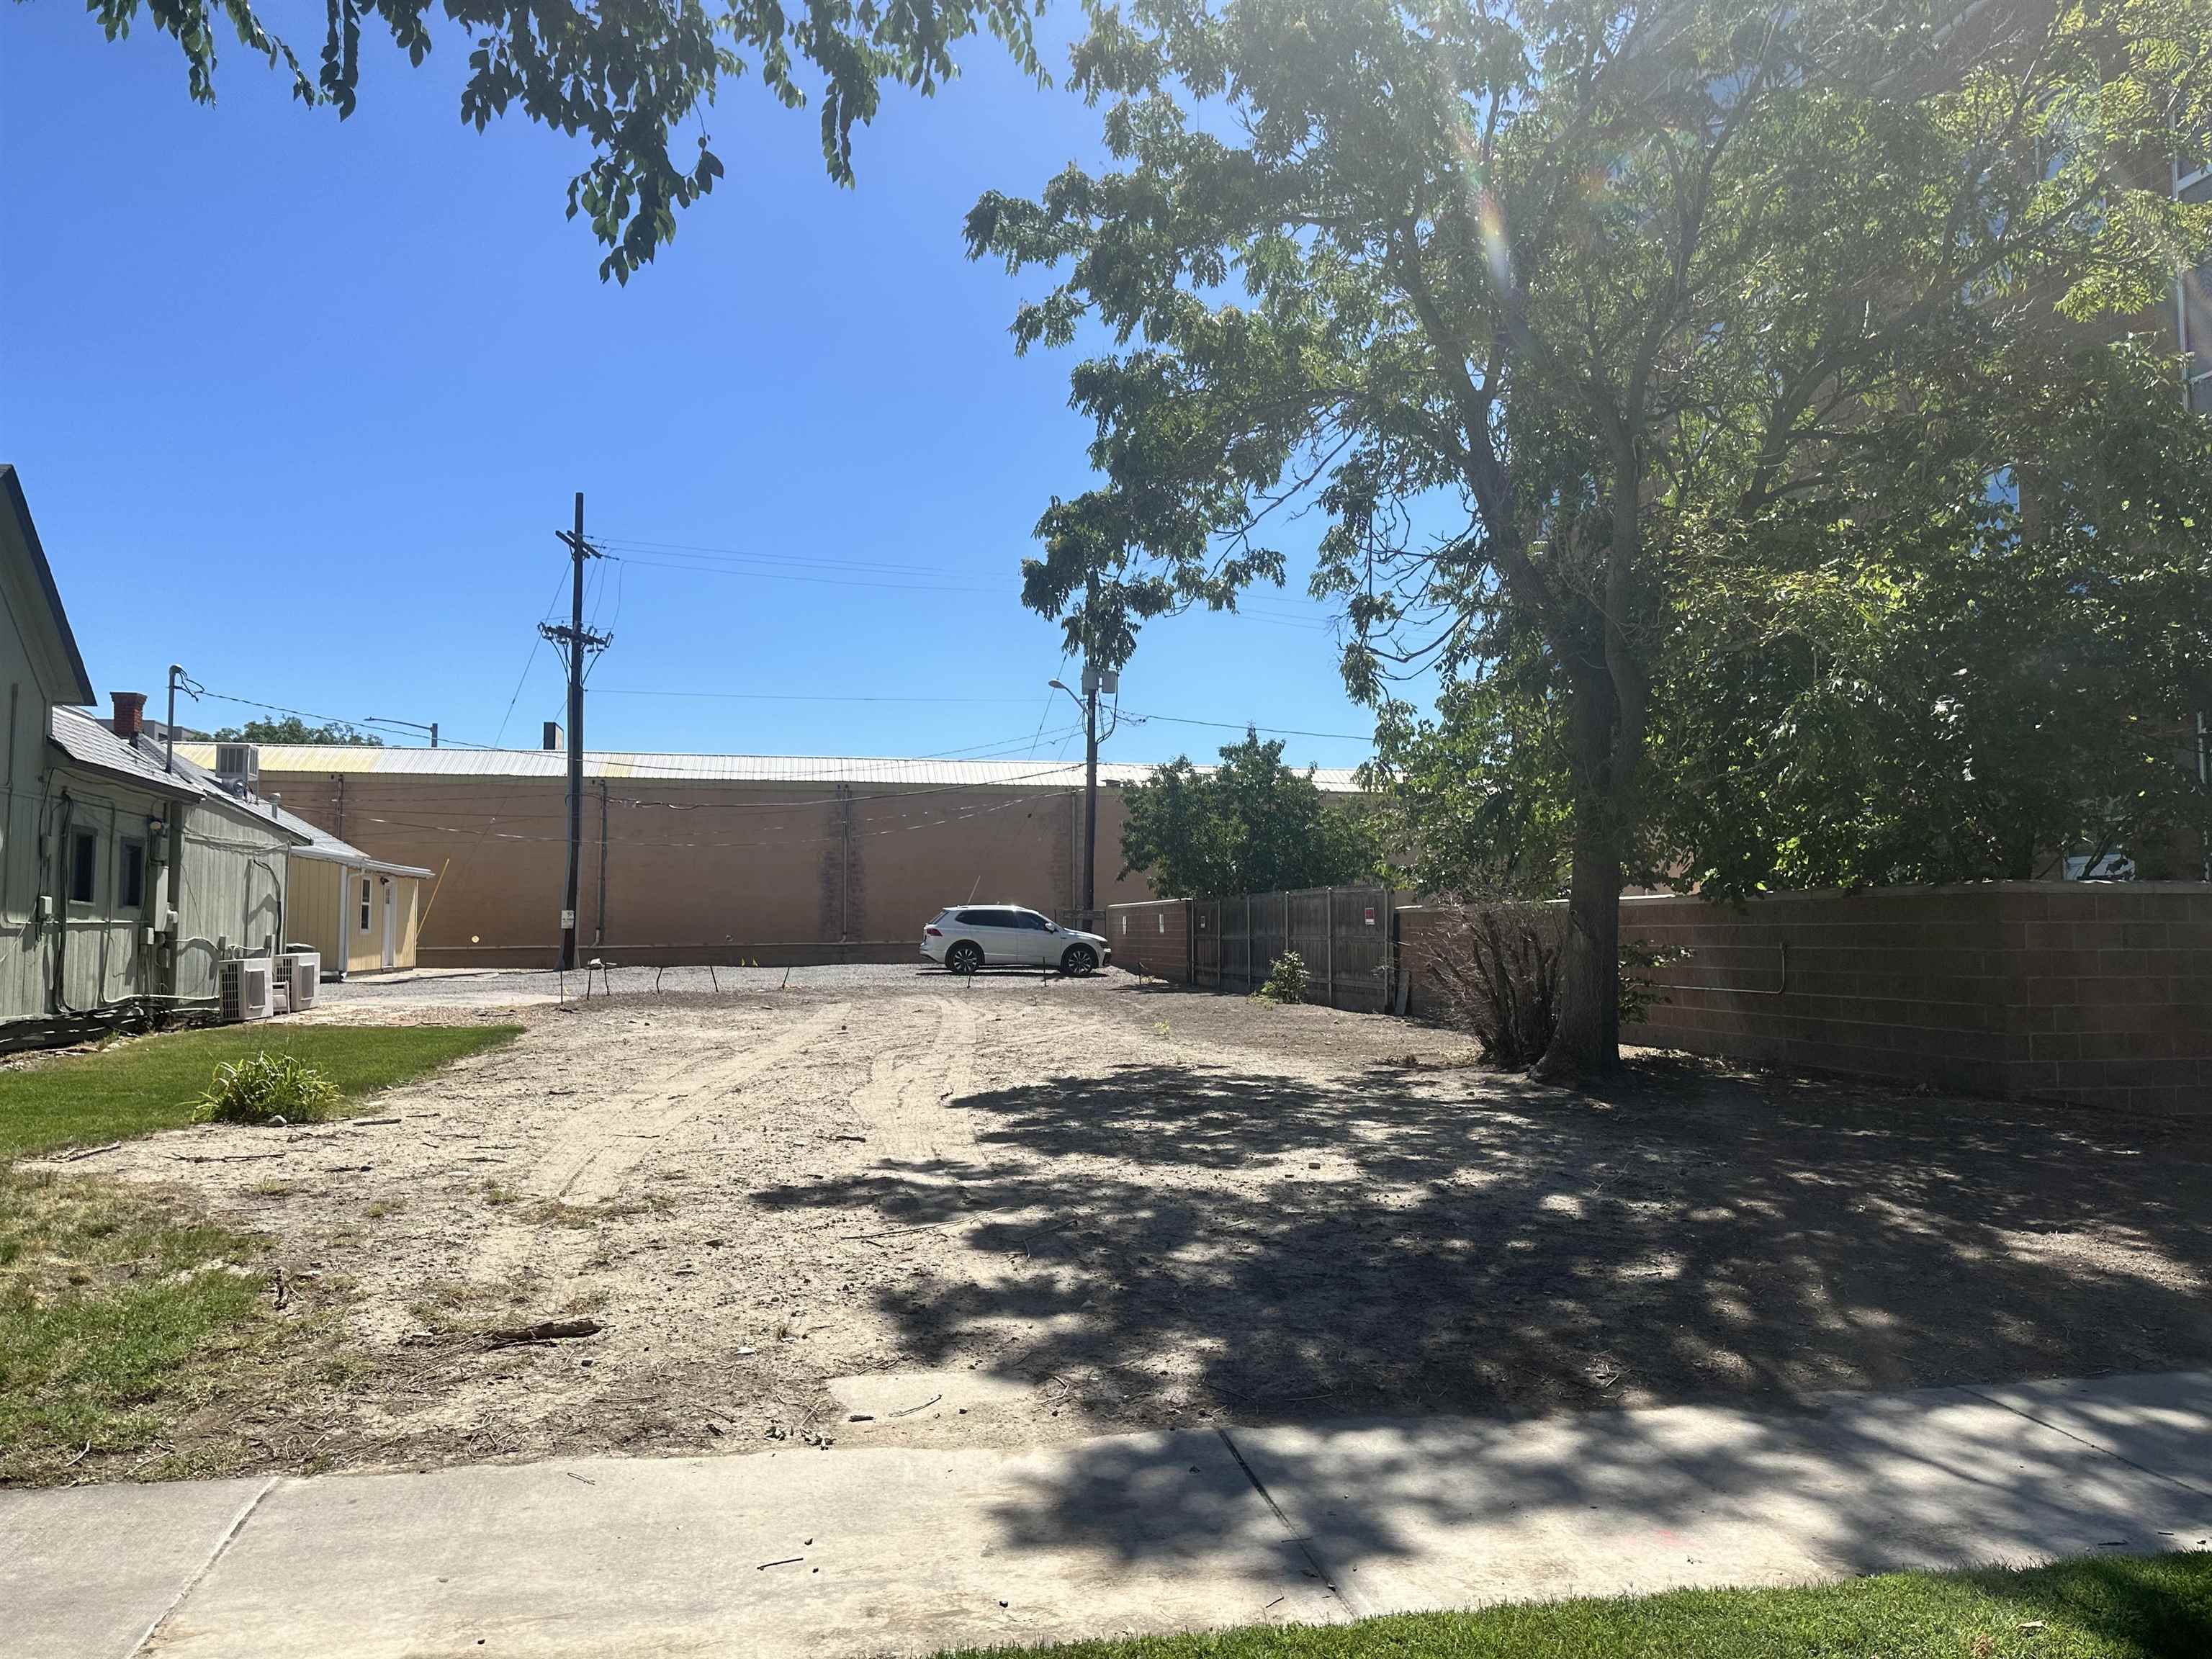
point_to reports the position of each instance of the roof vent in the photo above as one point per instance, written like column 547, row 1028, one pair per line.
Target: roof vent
column 238, row 763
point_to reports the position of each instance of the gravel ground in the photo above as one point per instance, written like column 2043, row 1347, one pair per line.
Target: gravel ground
column 886, row 1206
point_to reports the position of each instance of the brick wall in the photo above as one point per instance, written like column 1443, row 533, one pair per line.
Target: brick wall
column 2068, row 991
column 1152, row 937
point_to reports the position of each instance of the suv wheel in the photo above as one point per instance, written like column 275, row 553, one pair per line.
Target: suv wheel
column 965, row 957
column 1078, row 960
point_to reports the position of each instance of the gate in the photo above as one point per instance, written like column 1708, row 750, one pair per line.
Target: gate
column 1342, row 933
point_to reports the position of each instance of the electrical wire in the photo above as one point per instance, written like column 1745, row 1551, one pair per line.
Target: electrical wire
column 785, row 576
column 1244, row 726
column 790, row 696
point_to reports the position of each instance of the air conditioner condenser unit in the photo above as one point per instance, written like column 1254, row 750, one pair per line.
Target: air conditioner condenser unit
column 246, row 989
column 307, row 975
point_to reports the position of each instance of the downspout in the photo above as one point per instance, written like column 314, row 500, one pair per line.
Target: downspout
column 600, row 918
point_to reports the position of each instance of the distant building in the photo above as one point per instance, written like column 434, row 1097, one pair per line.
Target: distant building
column 710, row 858
column 361, row 915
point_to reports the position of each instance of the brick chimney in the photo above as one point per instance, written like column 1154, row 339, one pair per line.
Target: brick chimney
column 130, row 713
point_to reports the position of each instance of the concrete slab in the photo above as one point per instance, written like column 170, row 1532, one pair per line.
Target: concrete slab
column 1940, row 1477
column 2162, row 1421
column 802, row 1553
column 1448, row 1512
column 85, row 1571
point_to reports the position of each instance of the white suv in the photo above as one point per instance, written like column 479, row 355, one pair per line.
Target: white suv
column 967, row 937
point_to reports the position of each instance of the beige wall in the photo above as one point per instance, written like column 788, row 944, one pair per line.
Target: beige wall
column 708, row 871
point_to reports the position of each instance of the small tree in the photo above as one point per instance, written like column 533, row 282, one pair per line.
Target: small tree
column 1250, row 825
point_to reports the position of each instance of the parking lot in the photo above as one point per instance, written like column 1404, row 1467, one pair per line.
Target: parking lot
column 883, row 1206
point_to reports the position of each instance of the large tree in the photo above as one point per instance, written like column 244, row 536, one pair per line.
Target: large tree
column 1926, row 671
column 1544, row 305
column 628, row 75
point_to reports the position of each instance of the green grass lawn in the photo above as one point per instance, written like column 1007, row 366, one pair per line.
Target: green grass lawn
column 123, row 1311
column 150, row 1083
column 2159, row 1608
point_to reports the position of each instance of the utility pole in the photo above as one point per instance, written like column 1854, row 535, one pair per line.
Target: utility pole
column 1094, row 679
column 575, row 642
column 1090, row 747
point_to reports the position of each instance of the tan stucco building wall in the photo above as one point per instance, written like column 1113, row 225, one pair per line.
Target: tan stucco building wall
column 697, row 872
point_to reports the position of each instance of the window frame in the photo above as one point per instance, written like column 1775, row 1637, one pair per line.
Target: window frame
column 367, row 888
column 129, row 873
column 84, row 865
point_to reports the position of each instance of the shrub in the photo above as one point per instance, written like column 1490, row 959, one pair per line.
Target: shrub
column 1287, row 979
column 1497, row 967
column 266, row 1088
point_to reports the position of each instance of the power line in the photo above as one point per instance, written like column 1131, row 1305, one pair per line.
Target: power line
column 1252, row 725
column 328, row 719
column 790, row 696
column 698, row 551
column 528, row 663
column 783, row 576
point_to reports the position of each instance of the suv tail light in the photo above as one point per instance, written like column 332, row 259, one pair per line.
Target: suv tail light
column 933, row 930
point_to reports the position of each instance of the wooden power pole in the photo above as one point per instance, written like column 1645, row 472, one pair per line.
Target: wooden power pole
column 576, row 642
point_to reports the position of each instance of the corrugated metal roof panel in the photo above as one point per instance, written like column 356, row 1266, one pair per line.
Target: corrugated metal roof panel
column 887, row 771
column 89, row 744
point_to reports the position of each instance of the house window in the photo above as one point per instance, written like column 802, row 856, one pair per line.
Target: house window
column 364, row 904
column 84, row 866
column 132, row 876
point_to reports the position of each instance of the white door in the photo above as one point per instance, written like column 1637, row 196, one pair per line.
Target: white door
column 391, row 920
column 992, row 928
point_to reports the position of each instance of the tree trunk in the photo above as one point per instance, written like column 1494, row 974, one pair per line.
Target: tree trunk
column 1586, row 1040
column 1605, row 753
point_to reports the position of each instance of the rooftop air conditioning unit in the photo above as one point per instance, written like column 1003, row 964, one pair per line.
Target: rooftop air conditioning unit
column 246, row 989
column 238, row 764
column 307, row 968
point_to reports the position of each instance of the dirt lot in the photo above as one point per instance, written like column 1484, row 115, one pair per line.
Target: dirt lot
column 1019, row 1209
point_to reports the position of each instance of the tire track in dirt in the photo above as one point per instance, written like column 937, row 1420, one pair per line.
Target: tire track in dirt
column 927, row 1057
column 599, row 1145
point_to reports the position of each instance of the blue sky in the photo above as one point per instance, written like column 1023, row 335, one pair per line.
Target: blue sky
column 301, row 403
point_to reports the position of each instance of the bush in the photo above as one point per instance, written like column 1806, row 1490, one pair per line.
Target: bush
column 266, row 1088
column 1287, row 981
column 1497, row 966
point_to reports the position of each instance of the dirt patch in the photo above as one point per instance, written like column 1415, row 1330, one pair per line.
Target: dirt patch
column 904, row 1210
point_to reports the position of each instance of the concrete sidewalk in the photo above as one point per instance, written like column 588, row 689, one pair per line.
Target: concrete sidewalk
column 903, row 1550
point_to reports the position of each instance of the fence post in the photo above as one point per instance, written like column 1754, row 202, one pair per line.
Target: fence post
column 1328, row 933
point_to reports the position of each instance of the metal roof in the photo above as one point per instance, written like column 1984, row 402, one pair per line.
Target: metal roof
column 354, row 760
column 11, row 490
column 93, row 746
column 322, row 844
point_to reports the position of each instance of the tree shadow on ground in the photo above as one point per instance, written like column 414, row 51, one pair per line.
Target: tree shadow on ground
column 1168, row 1241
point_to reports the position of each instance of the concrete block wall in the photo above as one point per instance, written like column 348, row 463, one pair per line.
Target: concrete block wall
column 1151, row 937
column 2080, row 992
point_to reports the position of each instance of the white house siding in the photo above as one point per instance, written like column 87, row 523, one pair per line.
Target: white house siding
column 232, row 887
column 102, row 958
column 22, row 765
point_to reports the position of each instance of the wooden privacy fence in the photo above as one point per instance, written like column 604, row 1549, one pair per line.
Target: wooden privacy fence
column 1342, row 933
